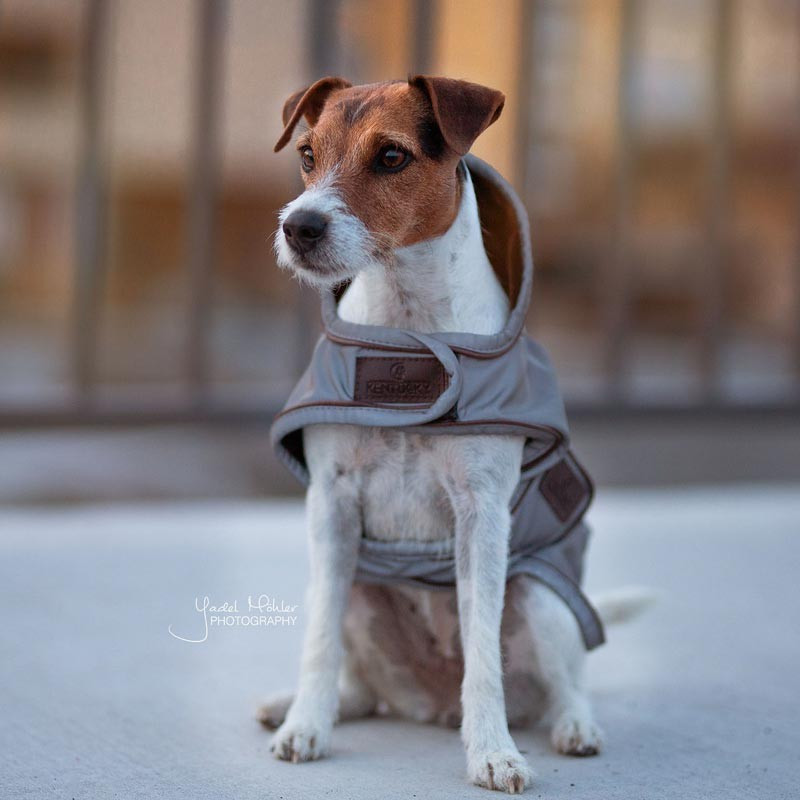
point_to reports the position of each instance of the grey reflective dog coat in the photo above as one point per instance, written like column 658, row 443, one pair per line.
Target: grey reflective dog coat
column 459, row 383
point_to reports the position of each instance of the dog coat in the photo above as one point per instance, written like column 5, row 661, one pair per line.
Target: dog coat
column 459, row 383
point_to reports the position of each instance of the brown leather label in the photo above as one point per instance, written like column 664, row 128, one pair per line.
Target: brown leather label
column 563, row 490
column 398, row 380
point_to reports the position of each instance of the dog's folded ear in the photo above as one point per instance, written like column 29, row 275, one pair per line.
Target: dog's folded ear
column 307, row 102
column 462, row 110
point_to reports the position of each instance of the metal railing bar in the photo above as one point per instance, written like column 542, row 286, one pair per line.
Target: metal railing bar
column 525, row 96
column 203, row 188
column 424, row 14
column 324, row 58
column 795, row 344
column 712, row 282
column 90, row 219
column 617, row 290
column 324, row 47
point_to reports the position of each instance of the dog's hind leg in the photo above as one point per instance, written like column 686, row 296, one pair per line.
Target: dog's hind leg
column 558, row 660
column 272, row 714
column 356, row 700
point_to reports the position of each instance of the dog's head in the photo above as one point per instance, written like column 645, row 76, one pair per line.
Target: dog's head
column 379, row 163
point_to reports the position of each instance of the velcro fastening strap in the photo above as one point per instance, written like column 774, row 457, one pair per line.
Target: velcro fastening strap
column 563, row 490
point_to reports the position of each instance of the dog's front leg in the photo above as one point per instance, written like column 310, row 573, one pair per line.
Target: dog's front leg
column 483, row 525
column 334, row 531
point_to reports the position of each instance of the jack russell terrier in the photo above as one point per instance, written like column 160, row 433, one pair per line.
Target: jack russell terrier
column 445, row 510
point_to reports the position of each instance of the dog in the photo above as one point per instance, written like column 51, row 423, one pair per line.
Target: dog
column 389, row 213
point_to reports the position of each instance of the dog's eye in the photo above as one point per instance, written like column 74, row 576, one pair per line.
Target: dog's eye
column 392, row 159
column 307, row 159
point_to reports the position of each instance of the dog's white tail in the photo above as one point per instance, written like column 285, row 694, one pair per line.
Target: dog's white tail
column 623, row 604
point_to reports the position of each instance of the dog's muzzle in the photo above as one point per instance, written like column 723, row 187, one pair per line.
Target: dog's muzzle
column 304, row 230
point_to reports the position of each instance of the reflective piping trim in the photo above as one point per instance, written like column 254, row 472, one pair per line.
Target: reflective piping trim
column 588, row 620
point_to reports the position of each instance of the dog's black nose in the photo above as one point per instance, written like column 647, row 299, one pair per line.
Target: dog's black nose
column 303, row 229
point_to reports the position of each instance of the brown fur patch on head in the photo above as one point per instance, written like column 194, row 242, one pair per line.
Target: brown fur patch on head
column 402, row 208
column 306, row 103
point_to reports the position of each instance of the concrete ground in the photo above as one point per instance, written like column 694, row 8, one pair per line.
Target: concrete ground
column 699, row 699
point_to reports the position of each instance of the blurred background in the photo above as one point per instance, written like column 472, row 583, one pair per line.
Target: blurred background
column 147, row 337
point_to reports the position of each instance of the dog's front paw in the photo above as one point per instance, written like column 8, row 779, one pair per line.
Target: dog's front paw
column 503, row 770
column 576, row 735
column 297, row 741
